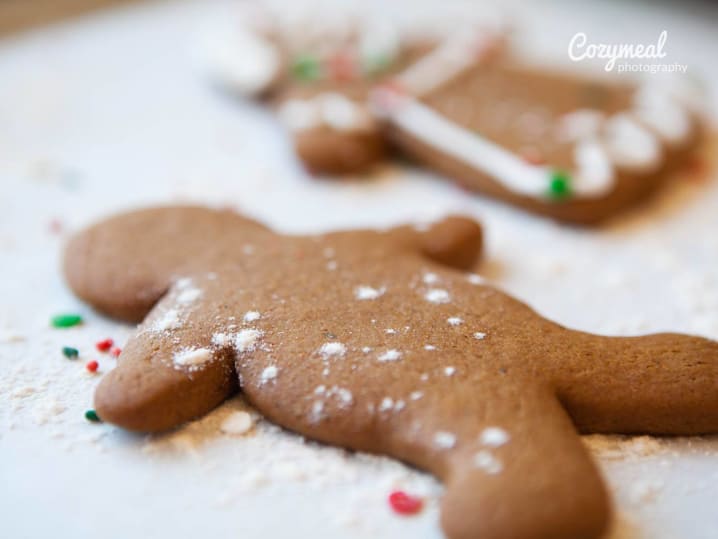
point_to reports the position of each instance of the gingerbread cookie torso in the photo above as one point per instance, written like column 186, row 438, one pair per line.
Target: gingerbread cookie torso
column 381, row 341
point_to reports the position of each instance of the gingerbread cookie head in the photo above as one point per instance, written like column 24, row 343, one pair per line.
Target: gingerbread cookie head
column 380, row 341
column 318, row 62
column 566, row 146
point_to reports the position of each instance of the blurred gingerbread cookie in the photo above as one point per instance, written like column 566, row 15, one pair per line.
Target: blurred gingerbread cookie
column 573, row 148
column 317, row 61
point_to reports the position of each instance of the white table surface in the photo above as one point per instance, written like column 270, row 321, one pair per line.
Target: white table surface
column 108, row 112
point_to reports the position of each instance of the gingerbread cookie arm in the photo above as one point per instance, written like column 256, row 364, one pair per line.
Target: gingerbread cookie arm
column 124, row 265
column 176, row 367
column 657, row 384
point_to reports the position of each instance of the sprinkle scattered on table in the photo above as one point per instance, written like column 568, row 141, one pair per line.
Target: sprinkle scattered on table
column 66, row 320
column 405, row 504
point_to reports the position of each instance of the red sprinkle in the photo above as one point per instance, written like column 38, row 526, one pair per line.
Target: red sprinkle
column 115, row 352
column 92, row 366
column 104, row 345
column 405, row 504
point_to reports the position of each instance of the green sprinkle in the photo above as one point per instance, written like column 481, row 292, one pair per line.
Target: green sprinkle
column 91, row 415
column 560, row 185
column 377, row 64
column 66, row 320
column 306, row 68
column 69, row 352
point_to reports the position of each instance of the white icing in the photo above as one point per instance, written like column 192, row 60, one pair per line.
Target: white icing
column 238, row 58
column 663, row 114
column 168, row 320
column 189, row 295
column 193, row 357
column 479, row 335
column 630, row 145
column 445, row 62
column 298, row 115
column 579, row 124
column 329, row 109
column 449, row 371
column 594, row 169
column 430, row 278
column 454, row 321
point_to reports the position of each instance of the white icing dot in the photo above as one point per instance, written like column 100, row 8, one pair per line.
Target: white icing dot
column 494, row 436
column 444, row 440
column 270, row 373
column 332, row 349
column 390, row 331
column 487, row 462
column 251, row 316
column 429, row 347
column 454, row 321
column 480, row 335
column 237, row 423
column 246, row 339
column 416, row 395
column 366, row 349
column 320, row 390
column 192, row 357
column 390, row 355
column 298, row 115
column 449, row 371
column 430, row 278
column 367, row 292
column 437, row 295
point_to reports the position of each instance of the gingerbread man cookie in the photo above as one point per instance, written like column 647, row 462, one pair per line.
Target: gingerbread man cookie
column 575, row 149
column 318, row 61
column 380, row 341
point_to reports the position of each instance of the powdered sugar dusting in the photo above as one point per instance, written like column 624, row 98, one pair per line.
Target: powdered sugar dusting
column 437, row 295
column 333, row 349
column 189, row 295
column 473, row 278
column 268, row 374
column 390, row 355
column 454, row 321
column 494, row 437
column 486, row 461
column 430, row 278
column 444, row 440
column 192, row 357
column 246, row 340
column 479, row 335
column 169, row 320
column 449, row 371
column 251, row 316
column 365, row 292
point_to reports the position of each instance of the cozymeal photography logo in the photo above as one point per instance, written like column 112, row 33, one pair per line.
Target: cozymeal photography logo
column 622, row 57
